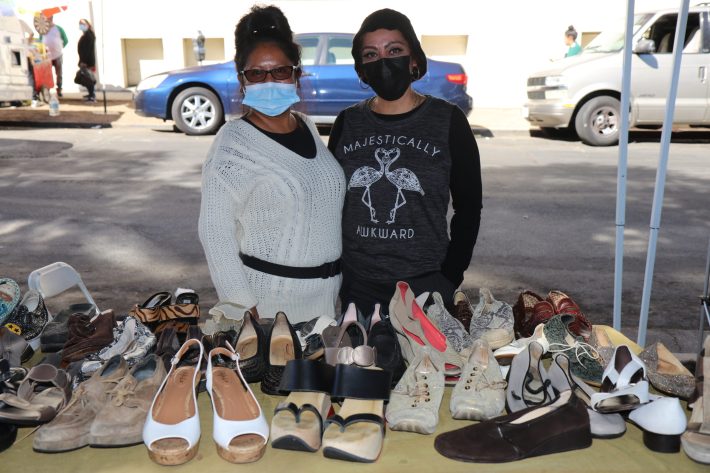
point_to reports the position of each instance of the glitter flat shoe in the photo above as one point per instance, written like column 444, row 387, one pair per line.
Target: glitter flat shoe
column 666, row 373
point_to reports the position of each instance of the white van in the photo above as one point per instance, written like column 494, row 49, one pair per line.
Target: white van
column 583, row 92
column 14, row 82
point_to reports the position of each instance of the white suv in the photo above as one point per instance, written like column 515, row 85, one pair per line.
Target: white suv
column 583, row 92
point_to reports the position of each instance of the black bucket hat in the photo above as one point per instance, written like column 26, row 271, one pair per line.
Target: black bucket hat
column 389, row 20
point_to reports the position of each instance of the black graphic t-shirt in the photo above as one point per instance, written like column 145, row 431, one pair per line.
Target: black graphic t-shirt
column 400, row 172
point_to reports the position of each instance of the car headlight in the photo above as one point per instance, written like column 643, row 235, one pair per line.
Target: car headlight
column 151, row 82
column 554, row 81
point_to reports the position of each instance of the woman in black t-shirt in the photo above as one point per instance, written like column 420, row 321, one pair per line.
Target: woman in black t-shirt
column 405, row 157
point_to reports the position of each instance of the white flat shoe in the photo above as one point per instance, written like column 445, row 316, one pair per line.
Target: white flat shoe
column 240, row 428
column 172, row 428
column 528, row 384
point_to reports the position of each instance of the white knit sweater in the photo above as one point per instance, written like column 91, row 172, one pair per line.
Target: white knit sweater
column 266, row 201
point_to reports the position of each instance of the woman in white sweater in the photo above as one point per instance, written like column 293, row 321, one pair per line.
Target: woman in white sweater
column 272, row 193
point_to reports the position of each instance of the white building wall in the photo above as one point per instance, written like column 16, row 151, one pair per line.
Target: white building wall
column 507, row 40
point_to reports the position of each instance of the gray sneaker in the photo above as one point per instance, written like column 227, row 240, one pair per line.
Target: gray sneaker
column 414, row 403
column 70, row 429
column 492, row 320
column 480, row 393
column 120, row 420
column 454, row 331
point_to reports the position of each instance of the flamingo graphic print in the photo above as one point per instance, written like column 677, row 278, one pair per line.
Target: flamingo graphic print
column 365, row 177
column 403, row 179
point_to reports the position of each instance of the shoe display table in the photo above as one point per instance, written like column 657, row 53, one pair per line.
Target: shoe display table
column 403, row 452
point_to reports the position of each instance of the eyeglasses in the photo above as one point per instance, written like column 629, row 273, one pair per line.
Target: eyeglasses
column 278, row 73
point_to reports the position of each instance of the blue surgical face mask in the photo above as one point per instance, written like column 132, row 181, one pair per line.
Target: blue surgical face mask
column 270, row 98
column 83, row 27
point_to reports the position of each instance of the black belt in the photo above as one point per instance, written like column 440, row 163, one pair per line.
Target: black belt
column 324, row 271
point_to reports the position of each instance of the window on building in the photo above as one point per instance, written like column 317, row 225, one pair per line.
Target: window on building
column 214, row 51
column 445, row 45
column 587, row 37
column 142, row 58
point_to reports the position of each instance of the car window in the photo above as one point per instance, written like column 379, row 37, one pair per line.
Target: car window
column 339, row 51
column 309, row 47
column 662, row 32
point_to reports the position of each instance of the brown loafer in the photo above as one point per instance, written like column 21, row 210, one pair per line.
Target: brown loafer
column 556, row 427
column 563, row 304
column 523, row 312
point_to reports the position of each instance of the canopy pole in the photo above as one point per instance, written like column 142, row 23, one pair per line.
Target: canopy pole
column 623, row 165
column 704, row 302
column 678, row 44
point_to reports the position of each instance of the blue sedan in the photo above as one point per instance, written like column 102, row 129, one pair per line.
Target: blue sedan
column 199, row 99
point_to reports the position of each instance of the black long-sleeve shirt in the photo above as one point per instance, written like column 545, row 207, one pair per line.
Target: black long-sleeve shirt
column 442, row 160
column 86, row 49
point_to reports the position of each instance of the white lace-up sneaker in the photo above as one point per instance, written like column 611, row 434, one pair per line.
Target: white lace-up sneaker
column 480, row 393
column 415, row 401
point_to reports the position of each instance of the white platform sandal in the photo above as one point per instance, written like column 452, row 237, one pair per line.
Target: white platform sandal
column 172, row 428
column 240, row 428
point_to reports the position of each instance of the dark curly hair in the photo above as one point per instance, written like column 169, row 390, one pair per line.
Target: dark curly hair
column 264, row 24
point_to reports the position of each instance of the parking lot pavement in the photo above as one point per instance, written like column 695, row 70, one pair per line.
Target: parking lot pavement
column 121, row 205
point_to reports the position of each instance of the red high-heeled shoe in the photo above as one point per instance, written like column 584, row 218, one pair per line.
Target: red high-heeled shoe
column 414, row 329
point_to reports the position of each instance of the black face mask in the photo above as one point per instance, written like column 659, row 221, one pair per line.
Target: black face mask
column 388, row 77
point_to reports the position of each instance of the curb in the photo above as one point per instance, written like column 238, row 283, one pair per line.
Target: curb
column 483, row 132
column 29, row 124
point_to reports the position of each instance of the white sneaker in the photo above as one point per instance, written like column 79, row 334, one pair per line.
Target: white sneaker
column 415, row 401
column 480, row 393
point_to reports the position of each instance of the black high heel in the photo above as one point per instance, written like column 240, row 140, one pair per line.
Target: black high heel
column 283, row 345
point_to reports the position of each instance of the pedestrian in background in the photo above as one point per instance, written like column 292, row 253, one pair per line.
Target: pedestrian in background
column 395, row 214
column 87, row 57
column 55, row 41
column 573, row 48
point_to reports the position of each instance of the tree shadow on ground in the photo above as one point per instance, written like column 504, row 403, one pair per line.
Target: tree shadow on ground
column 128, row 222
column 557, row 231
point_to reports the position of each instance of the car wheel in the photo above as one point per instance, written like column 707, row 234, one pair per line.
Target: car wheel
column 597, row 122
column 197, row 111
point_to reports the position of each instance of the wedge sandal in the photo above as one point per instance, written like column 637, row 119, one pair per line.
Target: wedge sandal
column 171, row 431
column 298, row 421
column 240, row 428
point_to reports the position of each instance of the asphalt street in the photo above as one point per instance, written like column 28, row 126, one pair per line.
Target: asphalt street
column 121, row 205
